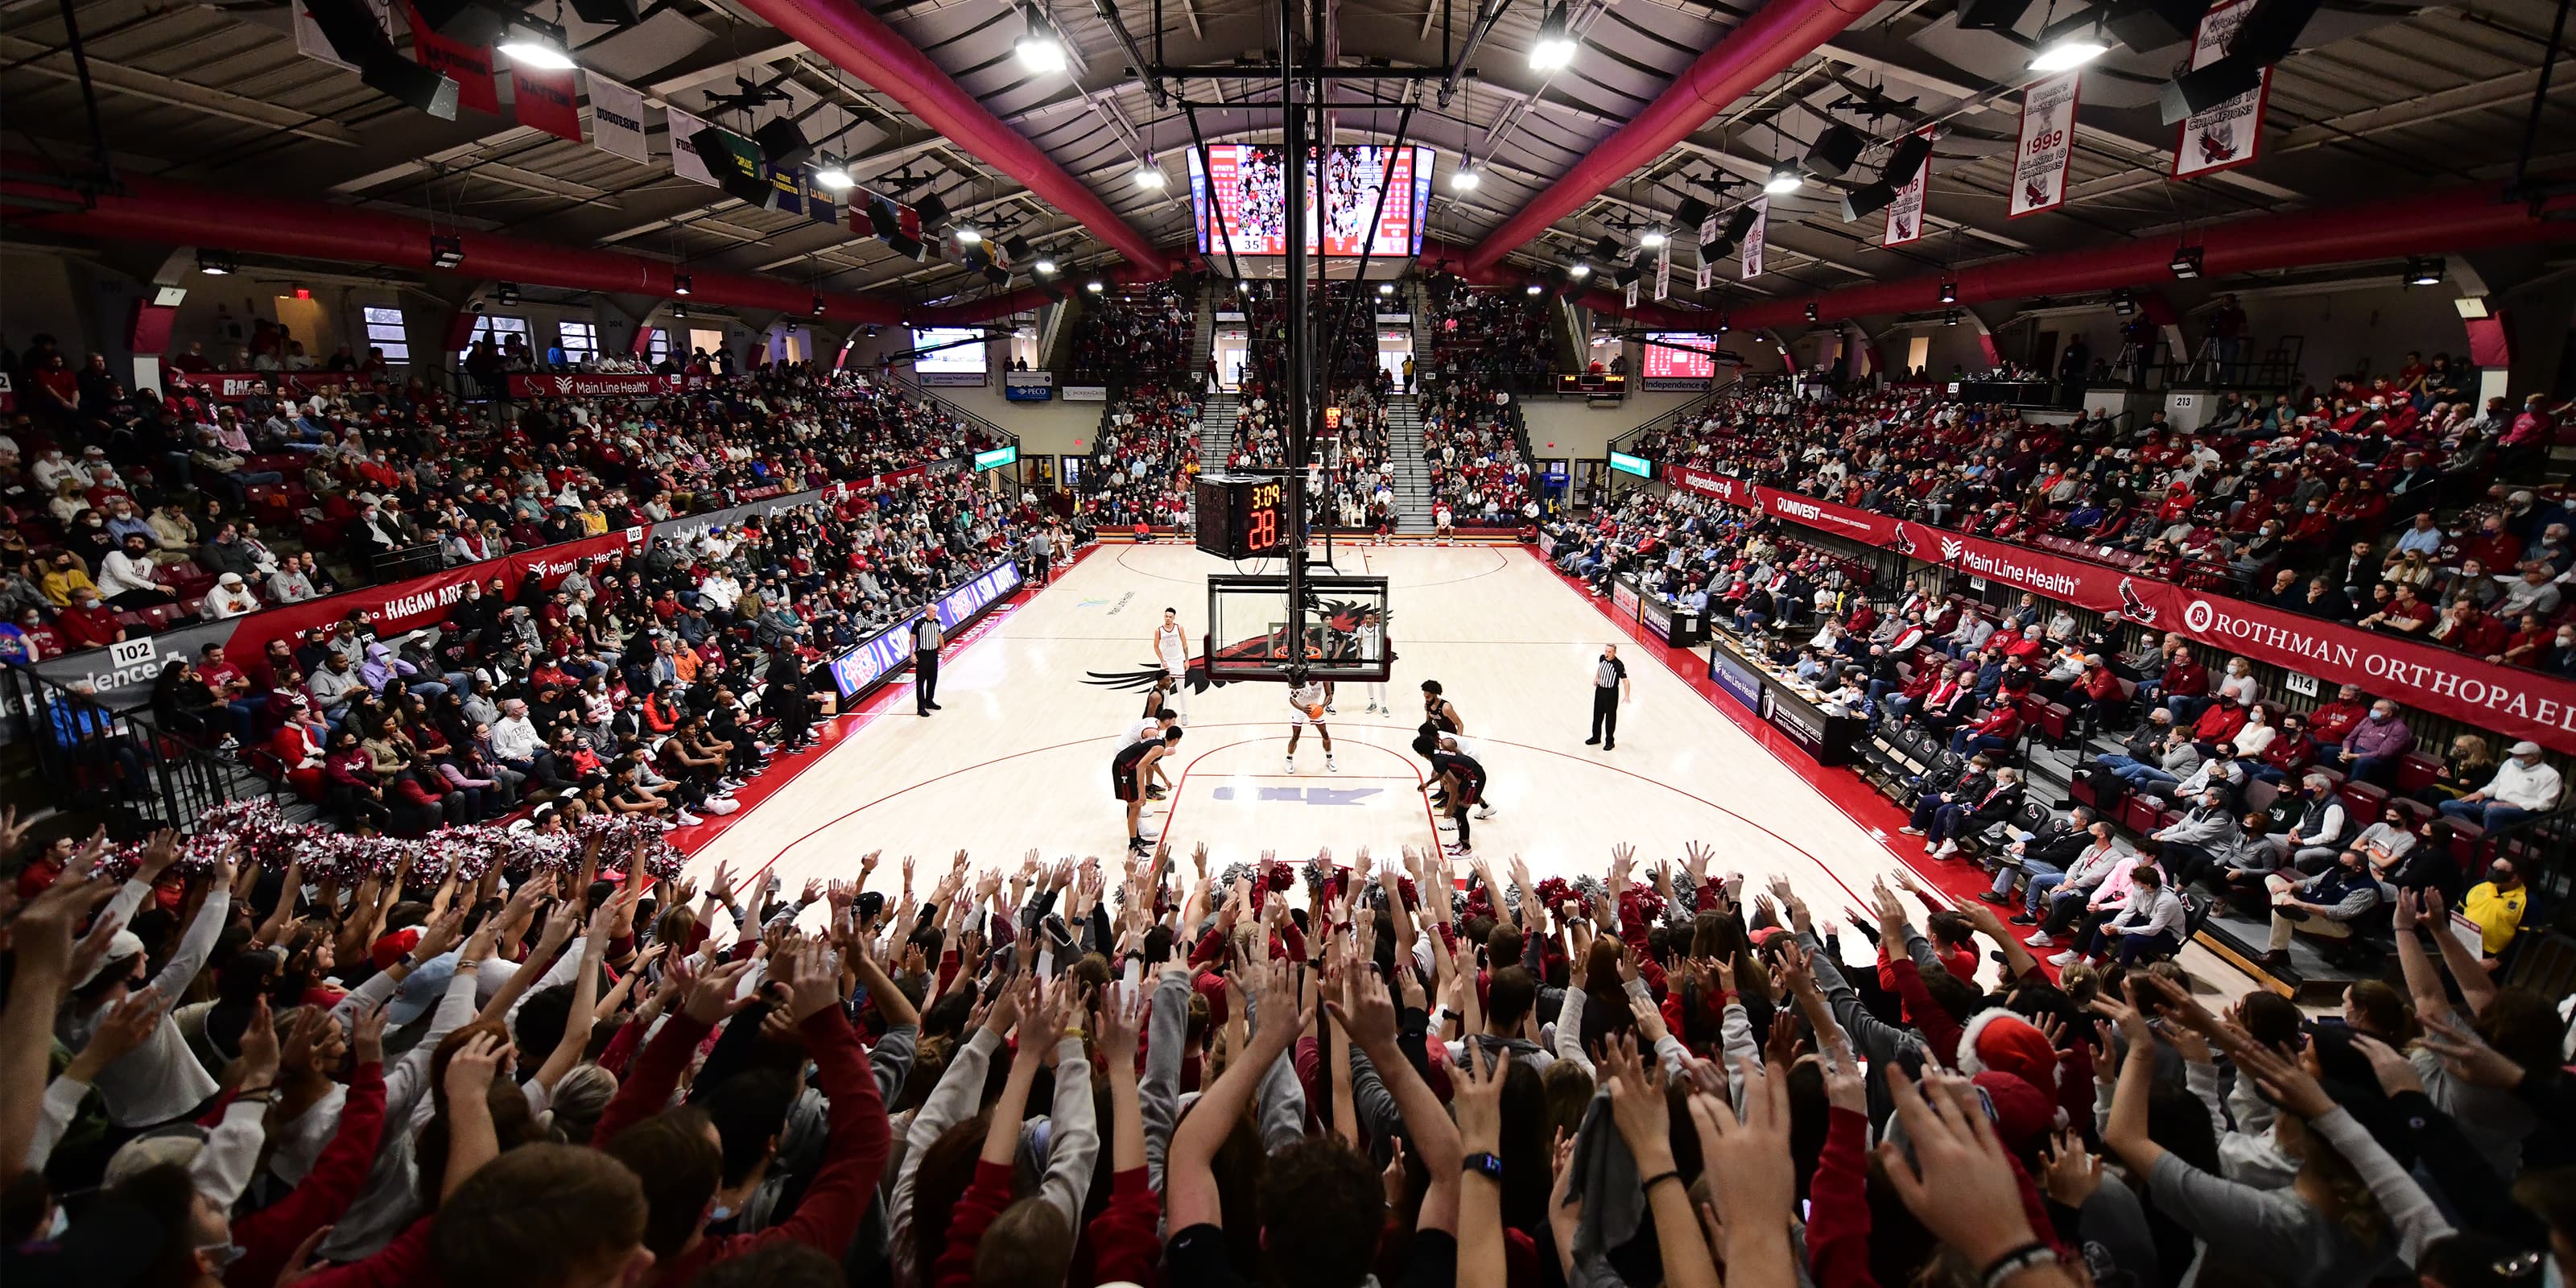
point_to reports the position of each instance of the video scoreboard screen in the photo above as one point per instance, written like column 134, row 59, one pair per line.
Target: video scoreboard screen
column 1665, row 363
column 1246, row 186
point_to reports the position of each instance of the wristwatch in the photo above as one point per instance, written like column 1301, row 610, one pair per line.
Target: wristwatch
column 1485, row 1164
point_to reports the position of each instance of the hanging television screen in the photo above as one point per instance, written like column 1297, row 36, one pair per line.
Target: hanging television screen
column 954, row 363
column 1245, row 186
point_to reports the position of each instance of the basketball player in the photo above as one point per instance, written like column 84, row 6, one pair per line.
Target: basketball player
column 1464, row 776
column 1306, row 705
column 1371, row 646
column 1172, row 649
column 1127, row 778
column 1151, row 725
column 1438, row 709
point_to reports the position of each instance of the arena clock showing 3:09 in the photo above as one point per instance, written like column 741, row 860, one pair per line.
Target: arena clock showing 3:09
column 1246, row 516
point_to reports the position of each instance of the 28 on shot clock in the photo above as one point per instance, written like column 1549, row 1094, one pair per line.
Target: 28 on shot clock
column 1246, row 516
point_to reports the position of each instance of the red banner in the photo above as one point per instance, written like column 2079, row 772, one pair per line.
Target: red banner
column 470, row 66
column 236, row 386
column 2514, row 702
column 544, row 100
column 605, row 385
column 421, row 601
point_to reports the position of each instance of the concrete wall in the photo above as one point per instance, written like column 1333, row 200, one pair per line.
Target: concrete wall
column 1571, row 429
column 1051, row 428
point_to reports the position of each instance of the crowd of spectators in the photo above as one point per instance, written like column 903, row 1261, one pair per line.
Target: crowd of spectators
column 2374, row 507
column 159, row 509
column 225, row 1066
column 1145, row 463
column 1141, row 334
column 1498, row 333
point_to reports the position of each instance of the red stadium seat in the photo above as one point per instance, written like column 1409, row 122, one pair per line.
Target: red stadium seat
column 2416, row 772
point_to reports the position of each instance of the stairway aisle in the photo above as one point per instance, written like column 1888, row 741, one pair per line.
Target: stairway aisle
column 1216, row 431
column 1412, row 477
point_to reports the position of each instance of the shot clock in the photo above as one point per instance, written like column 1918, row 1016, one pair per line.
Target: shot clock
column 1247, row 516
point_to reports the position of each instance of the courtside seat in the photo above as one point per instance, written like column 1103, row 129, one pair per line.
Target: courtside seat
column 2138, row 814
column 2468, row 842
column 2362, row 800
column 2259, row 796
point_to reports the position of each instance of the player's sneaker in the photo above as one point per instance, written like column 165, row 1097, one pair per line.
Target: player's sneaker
column 1372, row 709
column 1330, row 710
column 1292, row 764
column 1484, row 811
column 1330, row 767
column 1455, row 850
column 686, row 819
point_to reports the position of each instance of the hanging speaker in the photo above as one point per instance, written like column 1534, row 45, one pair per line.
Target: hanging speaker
column 2148, row 25
column 1627, row 276
column 1691, row 212
column 1991, row 15
column 1834, row 151
column 351, row 29
column 411, row 84
column 882, row 221
column 1867, row 199
column 782, row 144
column 2207, row 87
column 1017, row 245
column 608, row 13
column 470, row 21
column 1905, row 160
column 1740, row 224
column 726, row 155
column 998, row 276
column 1607, row 250
column 2271, row 30
column 934, row 212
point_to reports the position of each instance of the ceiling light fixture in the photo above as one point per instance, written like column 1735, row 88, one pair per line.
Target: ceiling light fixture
column 1784, row 179
column 1535, row 289
column 215, row 263
column 680, row 284
column 679, row 310
column 1950, row 318
column 446, row 251
column 537, row 44
column 1949, row 292
column 1651, row 238
column 1045, row 267
column 1723, row 326
column 834, row 174
column 1039, row 48
column 1811, row 311
column 2185, row 263
column 818, row 304
column 1465, row 178
column 2067, row 50
column 968, row 234
column 1555, row 45
column 1094, row 286
column 2424, row 270
column 1386, row 288
column 1150, row 176
column 508, row 294
column 1578, row 270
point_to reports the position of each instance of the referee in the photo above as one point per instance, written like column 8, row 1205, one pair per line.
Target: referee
column 1609, row 689
column 925, row 663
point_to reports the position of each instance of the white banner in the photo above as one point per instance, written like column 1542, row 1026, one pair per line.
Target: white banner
column 2047, row 144
column 1754, row 237
column 1664, row 270
column 310, row 42
column 685, row 161
column 1905, row 214
column 617, row 120
column 2225, row 136
column 1632, row 295
column 1704, row 267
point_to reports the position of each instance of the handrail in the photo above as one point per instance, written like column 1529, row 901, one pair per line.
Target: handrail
column 917, row 390
column 180, row 783
column 1695, row 407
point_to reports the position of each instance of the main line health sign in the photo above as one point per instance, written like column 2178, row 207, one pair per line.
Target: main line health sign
column 2514, row 702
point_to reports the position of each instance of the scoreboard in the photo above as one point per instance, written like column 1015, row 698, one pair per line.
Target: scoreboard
column 1247, row 516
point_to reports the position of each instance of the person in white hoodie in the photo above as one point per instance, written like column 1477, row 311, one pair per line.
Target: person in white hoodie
column 160, row 1080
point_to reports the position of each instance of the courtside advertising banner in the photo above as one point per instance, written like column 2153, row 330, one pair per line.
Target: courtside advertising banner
column 2224, row 136
column 617, row 119
column 1905, row 214
column 1754, row 237
column 2047, row 144
column 2516, row 703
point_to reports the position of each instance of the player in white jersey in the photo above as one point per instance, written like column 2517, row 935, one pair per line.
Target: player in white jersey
column 1172, row 649
column 1369, row 641
column 1306, row 701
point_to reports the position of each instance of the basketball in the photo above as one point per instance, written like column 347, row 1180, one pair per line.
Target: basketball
column 1315, row 711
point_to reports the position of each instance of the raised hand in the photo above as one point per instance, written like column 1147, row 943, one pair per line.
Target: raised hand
column 814, row 984
column 472, row 1067
column 1958, row 1181
column 2071, row 1175
column 1117, row 1020
column 1365, row 1011
column 1637, row 1102
column 1748, row 1162
column 1477, row 1096
column 367, row 1035
column 708, row 997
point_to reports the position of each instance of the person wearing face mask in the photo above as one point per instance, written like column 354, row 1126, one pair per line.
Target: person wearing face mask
column 2371, row 750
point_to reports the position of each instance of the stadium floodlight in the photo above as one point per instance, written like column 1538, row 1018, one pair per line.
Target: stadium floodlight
column 1465, row 178
column 1784, row 179
column 834, row 174
column 2424, row 270
column 536, row 44
column 2070, row 50
column 215, row 263
column 1555, row 46
column 1039, row 48
column 1045, row 267
column 680, row 284
column 2185, row 263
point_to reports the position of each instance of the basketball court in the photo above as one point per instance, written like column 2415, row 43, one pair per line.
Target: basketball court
column 1018, row 759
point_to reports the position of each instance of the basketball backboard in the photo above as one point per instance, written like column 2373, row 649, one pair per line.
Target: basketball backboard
column 1345, row 636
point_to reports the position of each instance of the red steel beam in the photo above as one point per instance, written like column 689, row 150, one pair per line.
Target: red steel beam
column 1774, row 38
column 859, row 43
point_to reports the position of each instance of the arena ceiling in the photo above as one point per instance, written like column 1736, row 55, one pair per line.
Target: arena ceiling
column 2379, row 100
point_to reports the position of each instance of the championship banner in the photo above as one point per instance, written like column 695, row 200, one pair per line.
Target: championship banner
column 1754, row 237
column 470, row 66
column 605, row 385
column 617, row 119
column 1703, row 275
column 685, row 161
column 1905, row 214
column 2225, row 136
column 2514, row 702
column 1632, row 295
column 546, row 100
column 1664, row 270
column 2047, row 144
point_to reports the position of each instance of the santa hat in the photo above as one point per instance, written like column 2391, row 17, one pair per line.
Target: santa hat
column 1999, row 1041
column 2022, row 1114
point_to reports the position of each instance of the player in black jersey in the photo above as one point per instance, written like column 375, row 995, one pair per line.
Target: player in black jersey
column 1464, row 776
column 1127, row 771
